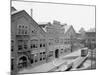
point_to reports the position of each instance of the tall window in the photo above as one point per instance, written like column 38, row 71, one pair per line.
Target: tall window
column 12, row 64
column 25, row 44
column 40, row 56
column 20, row 44
column 12, row 45
column 44, row 55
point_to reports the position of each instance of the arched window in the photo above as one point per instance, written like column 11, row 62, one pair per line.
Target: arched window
column 22, row 62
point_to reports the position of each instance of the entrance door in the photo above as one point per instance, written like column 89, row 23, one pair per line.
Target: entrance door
column 56, row 53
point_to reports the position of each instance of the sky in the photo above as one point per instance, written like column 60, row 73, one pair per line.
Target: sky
column 75, row 15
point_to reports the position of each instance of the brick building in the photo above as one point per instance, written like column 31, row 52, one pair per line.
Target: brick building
column 59, row 39
column 33, row 44
column 28, row 43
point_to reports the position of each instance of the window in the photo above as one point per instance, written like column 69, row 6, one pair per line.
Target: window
column 12, row 64
column 25, row 46
column 26, row 27
column 23, row 26
column 12, row 45
column 36, row 57
column 40, row 56
column 43, row 52
column 44, row 56
column 57, row 41
column 61, row 50
column 49, row 43
column 32, row 31
column 31, row 46
column 19, row 26
column 40, row 45
column 22, row 31
column 20, row 44
column 34, row 43
column 19, row 29
column 12, row 48
column 20, row 47
column 43, row 45
column 31, row 61
column 25, row 31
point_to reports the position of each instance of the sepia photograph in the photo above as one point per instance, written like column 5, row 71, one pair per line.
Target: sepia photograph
column 52, row 37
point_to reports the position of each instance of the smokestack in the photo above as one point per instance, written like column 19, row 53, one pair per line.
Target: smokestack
column 31, row 13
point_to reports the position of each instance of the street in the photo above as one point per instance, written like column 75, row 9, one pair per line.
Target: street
column 64, row 63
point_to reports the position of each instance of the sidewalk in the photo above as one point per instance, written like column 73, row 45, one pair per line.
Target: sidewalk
column 50, row 65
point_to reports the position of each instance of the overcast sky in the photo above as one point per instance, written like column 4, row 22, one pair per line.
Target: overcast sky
column 78, row 16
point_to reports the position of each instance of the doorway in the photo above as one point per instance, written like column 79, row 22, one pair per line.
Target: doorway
column 22, row 62
column 56, row 53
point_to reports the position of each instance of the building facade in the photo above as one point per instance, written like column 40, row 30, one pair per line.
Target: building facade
column 33, row 45
column 90, row 40
column 28, row 42
column 59, row 40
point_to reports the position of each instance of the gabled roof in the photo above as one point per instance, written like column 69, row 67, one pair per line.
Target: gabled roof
column 30, row 19
column 13, row 9
column 67, row 28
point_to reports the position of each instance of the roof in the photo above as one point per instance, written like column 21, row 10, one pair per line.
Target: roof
column 92, row 30
column 90, row 34
column 15, row 12
column 67, row 28
column 23, row 12
column 13, row 9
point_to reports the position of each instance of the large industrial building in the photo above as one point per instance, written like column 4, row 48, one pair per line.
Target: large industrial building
column 33, row 45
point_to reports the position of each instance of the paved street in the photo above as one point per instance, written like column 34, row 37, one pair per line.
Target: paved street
column 61, row 64
column 53, row 64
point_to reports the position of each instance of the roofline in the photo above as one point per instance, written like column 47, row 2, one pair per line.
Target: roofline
column 17, row 12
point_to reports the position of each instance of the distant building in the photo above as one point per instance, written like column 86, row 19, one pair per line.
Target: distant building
column 70, row 36
column 55, row 28
column 90, row 40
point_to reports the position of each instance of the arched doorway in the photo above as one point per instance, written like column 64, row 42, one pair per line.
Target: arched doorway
column 22, row 62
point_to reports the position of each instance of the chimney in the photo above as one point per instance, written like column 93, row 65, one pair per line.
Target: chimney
column 31, row 10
